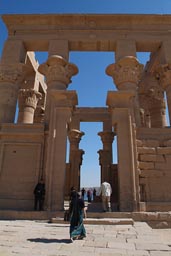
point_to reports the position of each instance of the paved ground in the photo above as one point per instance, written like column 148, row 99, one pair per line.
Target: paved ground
column 30, row 238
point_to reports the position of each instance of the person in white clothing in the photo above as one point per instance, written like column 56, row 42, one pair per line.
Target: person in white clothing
column 106, row 191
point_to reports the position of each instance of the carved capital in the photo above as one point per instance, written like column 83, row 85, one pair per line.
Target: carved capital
column 13, row 73
column 58, row 71
column 126, row 73
column 28, row 98
column 163, row 73
column 107, row 137
column 75, row 137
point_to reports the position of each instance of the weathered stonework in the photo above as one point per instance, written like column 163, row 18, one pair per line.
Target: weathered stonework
column 48, row 113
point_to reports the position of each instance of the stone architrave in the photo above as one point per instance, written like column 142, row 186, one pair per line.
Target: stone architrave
column 58, row 73
column 11, row 77
column 28, row 99
column 126, row 74
column 163, row 72
column 75, row 158
column 107, row 138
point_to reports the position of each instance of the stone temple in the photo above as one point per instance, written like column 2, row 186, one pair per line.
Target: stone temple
column 134, row 116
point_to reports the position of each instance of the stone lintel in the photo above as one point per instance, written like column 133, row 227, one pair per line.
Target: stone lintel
column 89, row 21
column 85, row 31
column 120, row 99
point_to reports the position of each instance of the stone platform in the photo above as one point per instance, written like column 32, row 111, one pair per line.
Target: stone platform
column 25, row 238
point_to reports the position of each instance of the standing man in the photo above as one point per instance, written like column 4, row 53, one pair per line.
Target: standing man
column 106, row 192
column 39, row 195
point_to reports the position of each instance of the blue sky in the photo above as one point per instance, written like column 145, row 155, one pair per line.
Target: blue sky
column 91, row 83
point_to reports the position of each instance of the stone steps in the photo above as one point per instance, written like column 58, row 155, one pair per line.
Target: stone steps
column 99, row 221
column 154, row 219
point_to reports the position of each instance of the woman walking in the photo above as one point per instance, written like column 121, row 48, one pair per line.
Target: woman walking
column 77, row 213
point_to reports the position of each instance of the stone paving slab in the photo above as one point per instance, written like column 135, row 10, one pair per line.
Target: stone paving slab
column 34, row 238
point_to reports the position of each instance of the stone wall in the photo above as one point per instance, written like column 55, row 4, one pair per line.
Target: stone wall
column 154, row 165
column 21, row 152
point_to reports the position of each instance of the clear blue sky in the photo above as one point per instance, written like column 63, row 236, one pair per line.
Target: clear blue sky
column 91, row 83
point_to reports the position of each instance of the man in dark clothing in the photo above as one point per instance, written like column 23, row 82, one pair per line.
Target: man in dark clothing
column 39, row 194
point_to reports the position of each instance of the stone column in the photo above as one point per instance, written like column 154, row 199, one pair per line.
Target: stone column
column 28, row 99
column 126, row 74
column 58, row 73
column 55, row 166
column 105, row 162
column 164, row 75
column 75, row 157
column 58, row 113
column 120, row 104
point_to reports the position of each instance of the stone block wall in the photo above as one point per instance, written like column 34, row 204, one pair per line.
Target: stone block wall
column 21, row 165
column 154, row 166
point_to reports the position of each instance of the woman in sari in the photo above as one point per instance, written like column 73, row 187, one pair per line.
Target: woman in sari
column 77, row 213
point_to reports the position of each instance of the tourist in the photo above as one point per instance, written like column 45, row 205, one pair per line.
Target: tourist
column 89, row 195
column 39, row 195
column 82, row 193
column 106, row 191
column 94, row 193
column 77, row 213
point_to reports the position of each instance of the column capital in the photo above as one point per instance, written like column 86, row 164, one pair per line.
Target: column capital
column 126, row 73
column 74, row 138
column 107, row 136
column 58, row 72
column 14, row 73
column 28, row 98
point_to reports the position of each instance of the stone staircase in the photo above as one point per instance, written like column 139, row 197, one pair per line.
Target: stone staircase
column 95, row 215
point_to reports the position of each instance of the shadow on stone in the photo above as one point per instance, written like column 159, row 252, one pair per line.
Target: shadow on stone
column 47, row 241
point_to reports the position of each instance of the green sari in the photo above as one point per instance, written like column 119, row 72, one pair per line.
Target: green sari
column 77, row 229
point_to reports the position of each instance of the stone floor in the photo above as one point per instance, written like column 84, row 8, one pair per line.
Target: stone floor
column 34, row 238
